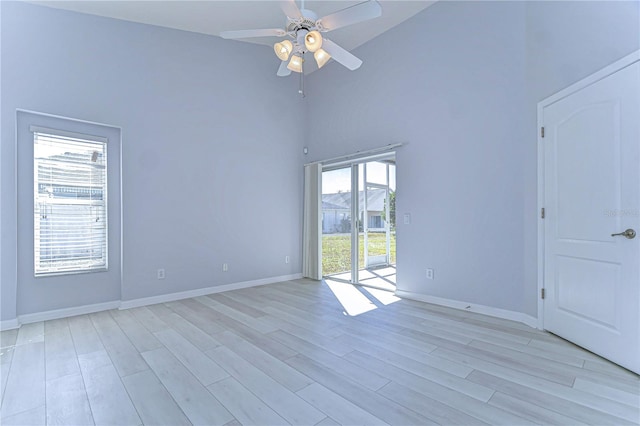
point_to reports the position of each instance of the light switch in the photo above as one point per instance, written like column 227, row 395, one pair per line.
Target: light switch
column 407, row 218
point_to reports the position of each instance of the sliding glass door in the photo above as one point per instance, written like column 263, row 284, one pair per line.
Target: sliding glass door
column 377, row 213
column 358, row 220
column 337, row 223
column 375, row 228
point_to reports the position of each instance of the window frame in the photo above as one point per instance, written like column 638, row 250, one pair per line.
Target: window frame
column 78, row 138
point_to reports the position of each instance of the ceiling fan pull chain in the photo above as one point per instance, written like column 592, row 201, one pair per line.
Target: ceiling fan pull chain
column 301, row 90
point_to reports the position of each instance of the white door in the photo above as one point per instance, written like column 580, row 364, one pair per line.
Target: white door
column 592, row 190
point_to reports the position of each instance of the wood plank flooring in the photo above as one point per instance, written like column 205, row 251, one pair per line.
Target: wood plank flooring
column 289, row 353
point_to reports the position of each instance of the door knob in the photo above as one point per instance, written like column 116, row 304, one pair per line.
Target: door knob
column 629, row 234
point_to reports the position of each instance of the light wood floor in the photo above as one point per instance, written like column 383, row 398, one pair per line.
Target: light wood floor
column 288, row 354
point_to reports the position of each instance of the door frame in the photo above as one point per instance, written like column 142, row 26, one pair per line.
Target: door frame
column 353, row 163
column 365, row 226
column 587, row 81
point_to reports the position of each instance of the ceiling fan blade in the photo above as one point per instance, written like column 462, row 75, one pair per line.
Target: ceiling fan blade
column 340, row 55
column 351, row 15
column 290, row 8
column 283, row 71
column 267, row 32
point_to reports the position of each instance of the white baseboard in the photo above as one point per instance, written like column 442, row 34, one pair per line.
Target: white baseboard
column 9, row 324
column 67, row 312
column 134, row 303
column 471, row 307
column 163, row 298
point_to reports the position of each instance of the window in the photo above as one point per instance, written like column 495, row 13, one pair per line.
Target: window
column 70, row 202
column 375, row 222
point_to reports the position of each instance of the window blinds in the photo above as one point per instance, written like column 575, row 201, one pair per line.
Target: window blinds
column 70, row 204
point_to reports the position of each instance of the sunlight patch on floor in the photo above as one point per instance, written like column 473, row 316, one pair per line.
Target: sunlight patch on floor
column 379, row 282
column 385, row 297
column 385, row 272
column 351, row 299
column 364, row 274
column 383, row 277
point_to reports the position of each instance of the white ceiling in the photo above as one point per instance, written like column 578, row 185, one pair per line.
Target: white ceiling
column 213, row 16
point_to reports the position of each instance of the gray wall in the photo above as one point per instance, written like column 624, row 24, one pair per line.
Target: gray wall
column 450, row 84
column 210, row 148
column 210, row 176
column 459, row 84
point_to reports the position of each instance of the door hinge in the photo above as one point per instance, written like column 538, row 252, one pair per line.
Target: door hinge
column 542, row 213
column 542, row 293
column 542, row 132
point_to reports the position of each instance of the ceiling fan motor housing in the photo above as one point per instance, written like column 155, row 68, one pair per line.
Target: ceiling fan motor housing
column 307, row 22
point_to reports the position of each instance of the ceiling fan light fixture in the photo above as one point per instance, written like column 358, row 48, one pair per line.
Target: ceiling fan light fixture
column 321, row 57
column 304, row 33
column 295, row 64
column 283, row 49
column 313, row 41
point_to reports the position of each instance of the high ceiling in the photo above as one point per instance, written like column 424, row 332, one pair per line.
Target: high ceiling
column 213, row 16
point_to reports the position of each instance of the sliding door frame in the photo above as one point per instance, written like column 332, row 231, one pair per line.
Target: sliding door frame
column 355, row 224
column 354, row 163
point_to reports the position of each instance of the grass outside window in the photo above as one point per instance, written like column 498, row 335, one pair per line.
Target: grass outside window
column 336, row 250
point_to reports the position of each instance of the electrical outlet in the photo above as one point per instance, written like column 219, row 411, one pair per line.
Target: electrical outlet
column 429, row 273
column 286, row 259
column 225, row 267
column 161, row 274
column 407, row 218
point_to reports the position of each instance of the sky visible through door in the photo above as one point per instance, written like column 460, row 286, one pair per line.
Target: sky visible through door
column 341, row 179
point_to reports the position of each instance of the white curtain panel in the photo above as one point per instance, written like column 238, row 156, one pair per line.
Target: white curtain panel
column 311, row 234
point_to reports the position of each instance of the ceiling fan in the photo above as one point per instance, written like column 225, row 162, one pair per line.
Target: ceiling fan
column 304, row 30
